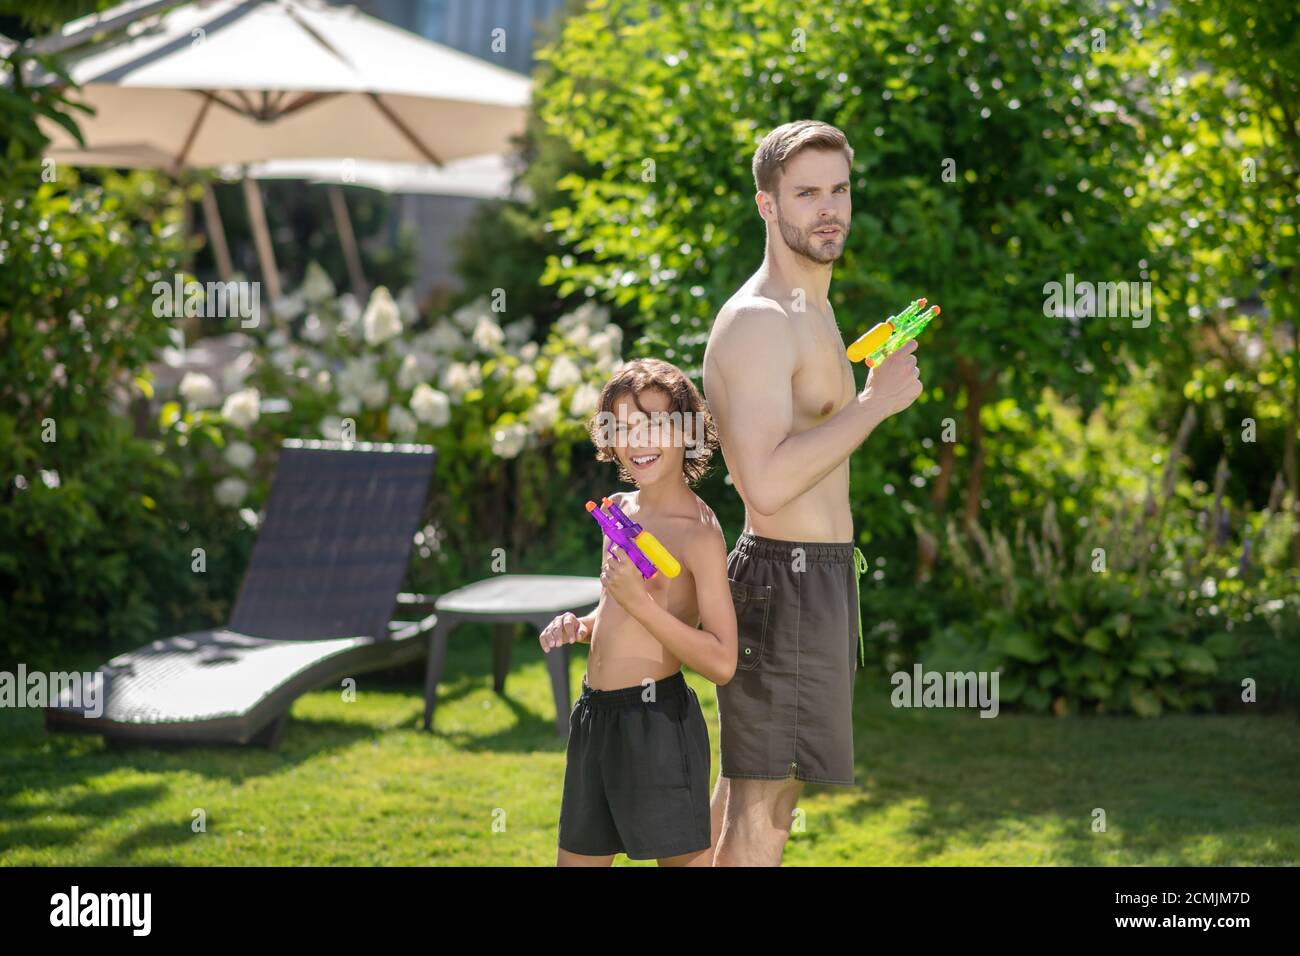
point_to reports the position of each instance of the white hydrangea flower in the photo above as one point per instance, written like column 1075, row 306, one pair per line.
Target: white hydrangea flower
column 230, row 492
column 578, row 334
column 606, row 344
column 382, row 319
column 401, row 422
column 234, row 374
column 317, row 286
column 445, row 337
column 460, row 377
column 407, row 307
column 488, row 335
column 375, row 393
column 508, row 441
column 431, row 406
column 528, row 351
column 416, row 368
column 198, row 390
column 591, row 314
column 314, row 330
column 545, row 412
column 357, row 376
column 240, row 454
column 350, row 405
column 582, row 321
column 331, row 428
column 324, row 381
column 517, row 332
column 467, row 315
column 288, row 307
column 584, row 401
column 242, row 408
column 283, row 359
column 349, row 312
column 564, row 372
column 525, row 375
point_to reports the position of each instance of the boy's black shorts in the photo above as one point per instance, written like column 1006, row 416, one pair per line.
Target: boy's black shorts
column 636, row 780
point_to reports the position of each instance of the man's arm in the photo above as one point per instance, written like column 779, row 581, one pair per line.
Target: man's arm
column 755, row 355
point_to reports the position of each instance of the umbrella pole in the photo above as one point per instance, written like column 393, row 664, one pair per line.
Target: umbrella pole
column 217, row 234
column 262, row 238
column 348, row 239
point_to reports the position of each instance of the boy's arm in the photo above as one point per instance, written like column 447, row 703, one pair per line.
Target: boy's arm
column 710, row 649
column 589, row 622
column 579, row 629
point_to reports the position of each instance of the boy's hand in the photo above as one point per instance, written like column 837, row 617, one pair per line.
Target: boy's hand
column 623, row 581
column 566, row 628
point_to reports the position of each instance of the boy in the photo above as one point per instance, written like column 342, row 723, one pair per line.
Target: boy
column 636, row 777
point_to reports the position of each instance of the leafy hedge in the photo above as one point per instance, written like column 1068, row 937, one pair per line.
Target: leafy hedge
column 93, row 542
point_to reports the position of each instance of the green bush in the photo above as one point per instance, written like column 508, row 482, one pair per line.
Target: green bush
column 93, row 535
column 1166, row 604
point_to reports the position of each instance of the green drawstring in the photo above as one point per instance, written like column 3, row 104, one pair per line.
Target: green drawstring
column 859, row 565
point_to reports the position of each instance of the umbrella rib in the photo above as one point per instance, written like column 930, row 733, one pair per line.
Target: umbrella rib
column 194, row 131
column 305, row 100
column 316, row 35
column 249, row 109
column 404, row 129
column 233, row 107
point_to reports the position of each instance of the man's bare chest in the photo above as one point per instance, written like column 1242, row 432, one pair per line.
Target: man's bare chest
column 823, row 380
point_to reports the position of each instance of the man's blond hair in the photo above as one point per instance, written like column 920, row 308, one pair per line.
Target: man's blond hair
column 785, row 142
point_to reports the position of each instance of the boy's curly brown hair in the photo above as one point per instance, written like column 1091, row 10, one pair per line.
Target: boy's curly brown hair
column 650, row 373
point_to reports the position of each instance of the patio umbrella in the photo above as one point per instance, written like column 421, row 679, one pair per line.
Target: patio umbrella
column 214, row 82
column 477, row 177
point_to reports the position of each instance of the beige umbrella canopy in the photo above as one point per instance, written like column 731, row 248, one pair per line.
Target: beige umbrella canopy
column 214, row 82
column 243, row 81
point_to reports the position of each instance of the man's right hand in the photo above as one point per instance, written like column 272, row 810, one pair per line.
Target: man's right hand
column 566, row 628
column 895, row 383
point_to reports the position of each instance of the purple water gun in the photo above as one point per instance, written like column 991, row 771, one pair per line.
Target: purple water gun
column 641, row 546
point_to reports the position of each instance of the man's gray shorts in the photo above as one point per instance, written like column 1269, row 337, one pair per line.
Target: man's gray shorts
column 789, row 708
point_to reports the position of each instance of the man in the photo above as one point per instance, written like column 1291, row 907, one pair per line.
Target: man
column 781, row 391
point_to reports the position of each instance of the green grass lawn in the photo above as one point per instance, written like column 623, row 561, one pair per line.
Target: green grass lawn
column 359, row 783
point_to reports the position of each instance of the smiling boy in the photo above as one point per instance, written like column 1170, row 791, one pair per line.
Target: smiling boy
column 636, row 777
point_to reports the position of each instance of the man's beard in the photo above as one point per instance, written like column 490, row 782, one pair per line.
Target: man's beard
column 804, row 245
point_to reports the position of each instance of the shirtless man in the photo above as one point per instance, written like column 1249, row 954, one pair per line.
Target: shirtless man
column 782, row 395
